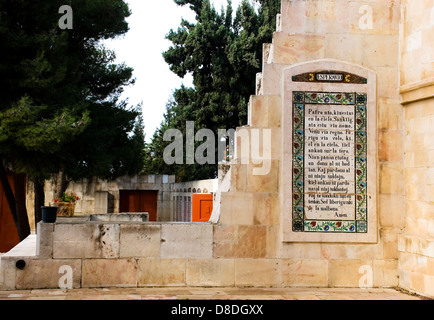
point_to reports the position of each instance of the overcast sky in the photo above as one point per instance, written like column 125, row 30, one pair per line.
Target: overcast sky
column 142, row 47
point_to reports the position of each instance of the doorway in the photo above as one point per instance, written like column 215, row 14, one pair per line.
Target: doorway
column 202, row 207
column 139, row 201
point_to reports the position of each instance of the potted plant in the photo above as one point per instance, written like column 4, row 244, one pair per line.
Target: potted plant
column 49, row 214
column 66, row 204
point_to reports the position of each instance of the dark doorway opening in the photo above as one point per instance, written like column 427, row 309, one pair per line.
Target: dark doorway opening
column 139, row 201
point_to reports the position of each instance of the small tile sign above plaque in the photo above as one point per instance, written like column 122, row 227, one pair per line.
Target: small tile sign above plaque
column 330, row 76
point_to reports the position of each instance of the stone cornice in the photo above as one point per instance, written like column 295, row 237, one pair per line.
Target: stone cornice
column 417, row 91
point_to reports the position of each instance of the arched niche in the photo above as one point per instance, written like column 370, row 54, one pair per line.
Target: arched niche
column 329, row 153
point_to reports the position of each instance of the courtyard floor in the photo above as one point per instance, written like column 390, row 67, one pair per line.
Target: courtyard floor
column 210, row 294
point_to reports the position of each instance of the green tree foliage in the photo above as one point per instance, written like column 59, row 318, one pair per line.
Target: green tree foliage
column 114, row 145
column 59, row 107
column 223, row 52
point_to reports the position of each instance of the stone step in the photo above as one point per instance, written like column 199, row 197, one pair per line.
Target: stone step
column 24, row 250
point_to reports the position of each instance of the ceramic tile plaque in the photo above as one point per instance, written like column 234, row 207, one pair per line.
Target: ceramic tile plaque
column 330, row 154
column 329, row 162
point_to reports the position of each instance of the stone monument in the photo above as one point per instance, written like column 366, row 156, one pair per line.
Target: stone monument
column 347, row 95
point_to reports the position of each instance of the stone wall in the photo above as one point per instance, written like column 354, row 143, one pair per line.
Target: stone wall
column 251, row 219
column 416, row 245
column 112, row 255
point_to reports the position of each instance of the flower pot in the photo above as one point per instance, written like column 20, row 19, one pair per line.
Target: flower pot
column 66, row 209
column 49, row 214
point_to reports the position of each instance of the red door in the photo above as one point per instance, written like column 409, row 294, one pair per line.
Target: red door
column 8, row 231
column 139, row 201
column 202, row 207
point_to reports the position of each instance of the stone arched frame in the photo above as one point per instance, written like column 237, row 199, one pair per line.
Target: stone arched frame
column 333, row 77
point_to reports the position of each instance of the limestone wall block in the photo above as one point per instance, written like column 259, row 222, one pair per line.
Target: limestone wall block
column 44, row 240
column 240, row 241
column 42, row 274
column 8, row 273
column 388, row 83
column 389, row 240
column 238, row 177
column 263, row 183
column 138, row 240
column 345, row 273
column 109, row 273
column 391, row 210
column 416, row 263
column 86, row 241
column 305, row 273
column 210, row 272
column 417, row 42
column 298, row 250
column 385, row 17
column 431, row 227
column 266, row 208
column 429, row 285
column 416, row 282
column 258, row 272
column 390, row 114
column 415, row 225
column 417, row 159
column 274, row 111
column 420, row 125
column 316, row 16
column 271, row 75
column 258, row 111
column 416, row 245
column 265, row 111
column 186, row 240
column 101, row 202
column 390, row 146
column 273, row 241
column 161, row 272
column 385, row 273
column 225, row 234
column 294, row 48
column 293, row 15
column 344, row 47
column 258, row 146
column 85, row 207
column 391, row 177
column 413, row 74
column 334, row 251
column 237, row 208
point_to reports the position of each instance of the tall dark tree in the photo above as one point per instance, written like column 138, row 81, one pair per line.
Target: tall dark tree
column 60, row 89
column 223, row 52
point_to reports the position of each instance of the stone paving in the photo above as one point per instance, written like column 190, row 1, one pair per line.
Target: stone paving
column 210, row 294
